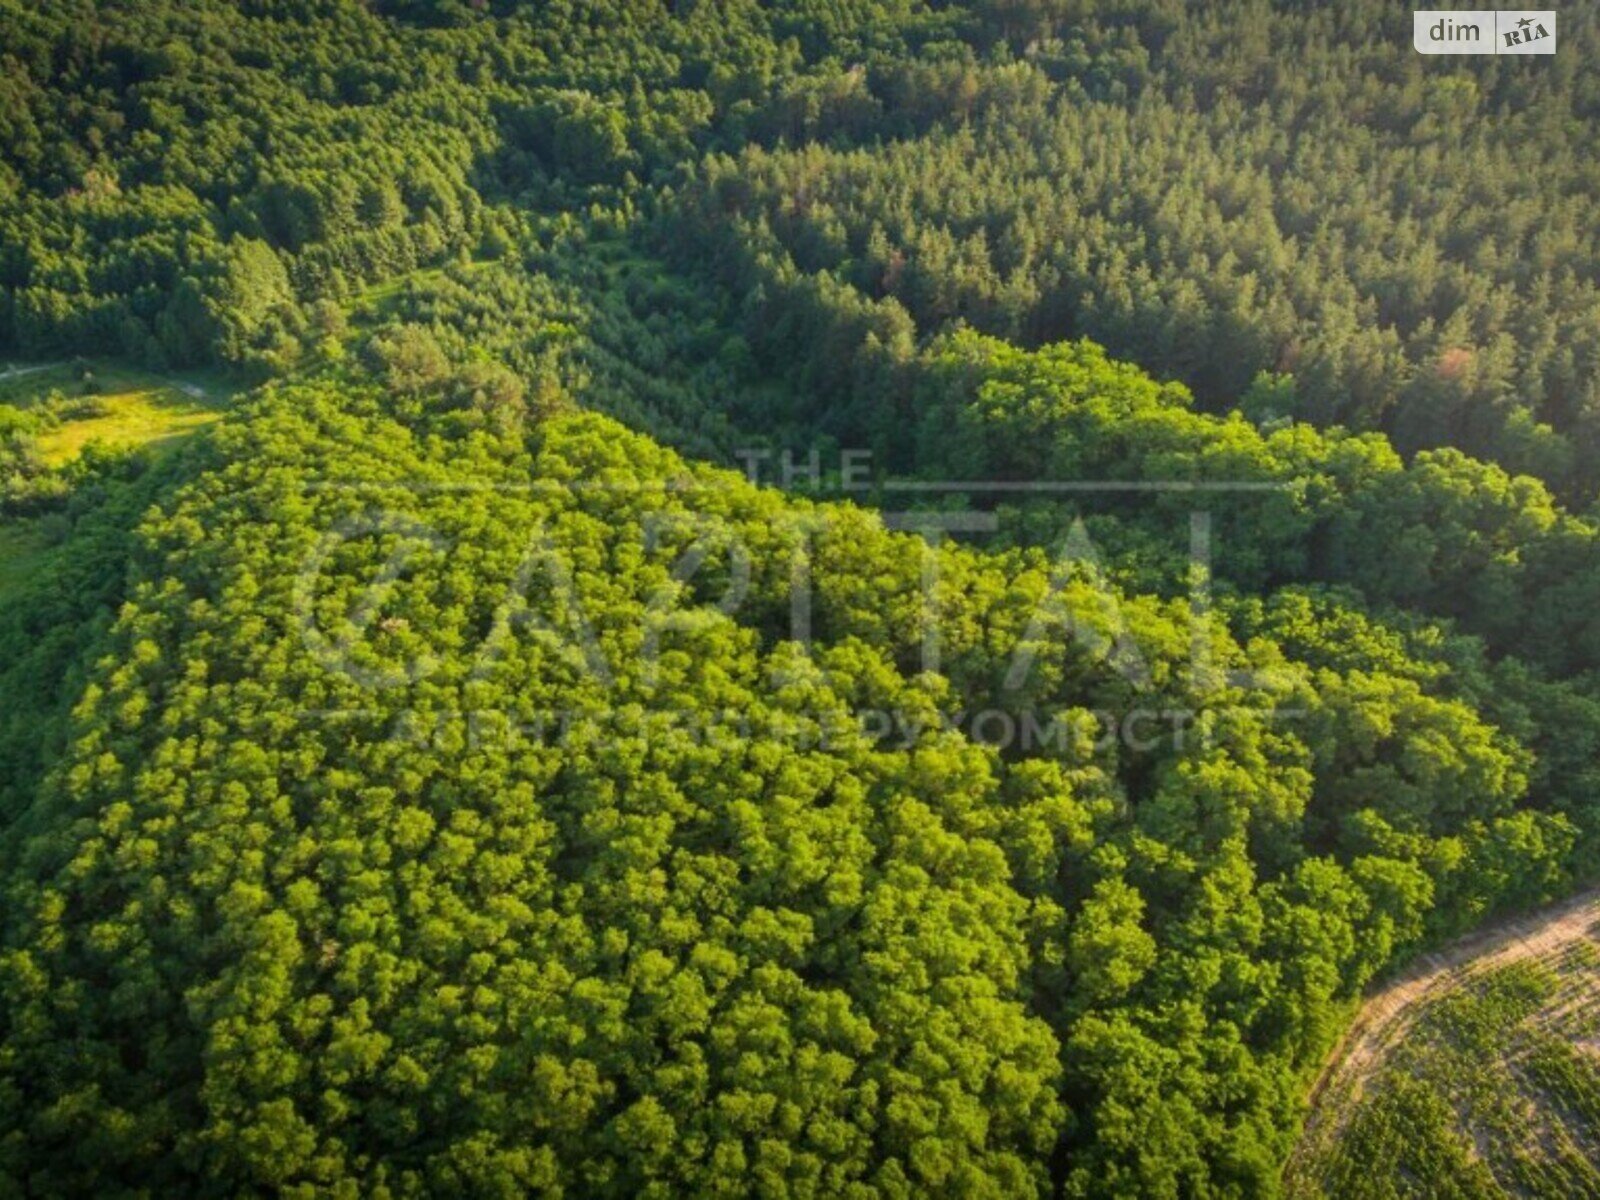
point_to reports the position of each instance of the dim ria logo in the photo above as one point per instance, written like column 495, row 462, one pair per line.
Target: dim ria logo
column 1485, row 31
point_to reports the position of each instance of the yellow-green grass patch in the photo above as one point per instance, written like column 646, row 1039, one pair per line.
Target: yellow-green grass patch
column 132, row 409
column 131, row 419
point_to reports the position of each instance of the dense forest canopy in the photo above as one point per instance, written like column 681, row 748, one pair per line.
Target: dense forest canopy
column 449, row 777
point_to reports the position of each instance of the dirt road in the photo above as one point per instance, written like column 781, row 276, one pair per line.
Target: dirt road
column 1389, row 1012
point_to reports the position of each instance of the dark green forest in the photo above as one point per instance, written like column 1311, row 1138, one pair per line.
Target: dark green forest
column 452, row 774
